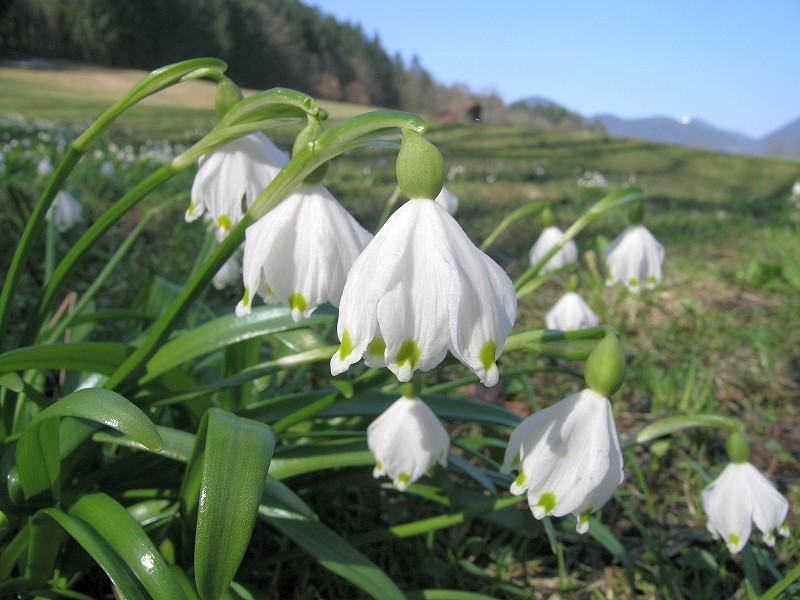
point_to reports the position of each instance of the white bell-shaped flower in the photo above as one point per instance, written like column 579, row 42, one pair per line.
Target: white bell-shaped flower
column 568, row 457
column 550, row 236
column 229, row 273
column 230, row 178
column 44, row 167
column 739, row 497
column 571, row 313
column 65, row 210
column 421, row 287
column 448, row 200
column 634, row 259
column 300, row 252
column 406, row 440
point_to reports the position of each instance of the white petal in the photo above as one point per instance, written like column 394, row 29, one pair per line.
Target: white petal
column 406, row 440
column 300, row 252
column 571, row 313
column 549, row 237
column 571, row 461
column 233, row 175
column 448, row 200
column 66, row 209
column 770, row 508
column 728, row 505
column 635, row 259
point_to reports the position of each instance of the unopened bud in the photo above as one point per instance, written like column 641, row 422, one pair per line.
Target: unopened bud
column 738, row 448
column 228, row 94
column 548, row 220
column 420, row 167
column 636, row 213
column 605, row 367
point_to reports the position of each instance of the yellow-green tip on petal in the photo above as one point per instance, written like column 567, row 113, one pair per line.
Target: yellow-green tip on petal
column 224, row 222
column 298, row 304
column 346, row 347
column 409, row 353
column 488, row 354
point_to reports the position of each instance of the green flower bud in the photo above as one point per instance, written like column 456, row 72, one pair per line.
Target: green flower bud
column 228, row 94
column 420, row 167
column 605, row 367
column 307, row 136
column 573, row 283
column 636, row 213
column 548, row 220
column 738, row 448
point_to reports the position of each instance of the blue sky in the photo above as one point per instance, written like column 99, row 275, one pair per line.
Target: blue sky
column 735, row 63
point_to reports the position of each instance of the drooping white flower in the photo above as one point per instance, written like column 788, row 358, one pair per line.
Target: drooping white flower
column 65, row 210
column 421, row 287
column 549, row 237
column 739, row 497
column 448, row 200
column 44, row 167
column 568, row 457
column 406, row 440
column 228, row 274
column 634, row 259
column 231, row 177
column 107, row 169
column 571, row 313
column 300, row 252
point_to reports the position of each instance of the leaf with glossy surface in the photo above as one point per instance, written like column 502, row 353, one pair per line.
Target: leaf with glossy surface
column 88, row 357
column 232, row 457
column 38, row 452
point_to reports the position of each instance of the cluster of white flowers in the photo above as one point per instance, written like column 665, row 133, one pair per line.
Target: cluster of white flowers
column 420, row 288
column 592, row 179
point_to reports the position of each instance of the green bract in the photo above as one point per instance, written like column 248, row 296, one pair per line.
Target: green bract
column 420, row 167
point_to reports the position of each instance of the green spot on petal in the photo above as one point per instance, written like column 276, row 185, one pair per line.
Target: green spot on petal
column 376, row 347
column 404, row 478
column 633, row 282
column 297, row 302
column 224, row 222
column 378, row 465
column 547, row 502
column 520, row 480
column 734, row 539
column 246, row 297
column 192, row 208
column 651, row 279
column 488, row 353
column 346, row 346
column 409, row 353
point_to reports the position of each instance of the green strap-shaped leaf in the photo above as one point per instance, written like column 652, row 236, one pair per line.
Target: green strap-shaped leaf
column 37, row 453
column 12, row 381
column 670, row 425
column 90, row 357
column 102, row 552
column 115, row 526
column 335, row 554
column 231, row 457
column 222, row 332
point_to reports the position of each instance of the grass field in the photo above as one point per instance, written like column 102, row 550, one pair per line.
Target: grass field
column 721, row 336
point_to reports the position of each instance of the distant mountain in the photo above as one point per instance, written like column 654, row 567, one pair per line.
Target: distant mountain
column 784, row 141
column 684, row 132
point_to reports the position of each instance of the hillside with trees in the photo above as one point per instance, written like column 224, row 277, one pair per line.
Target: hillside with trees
column 266, row 43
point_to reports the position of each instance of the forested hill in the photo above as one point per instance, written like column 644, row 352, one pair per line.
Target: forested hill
column 265, row 42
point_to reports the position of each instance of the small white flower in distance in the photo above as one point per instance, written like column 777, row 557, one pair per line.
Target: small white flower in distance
column 634, row 259
column 449, row 200
column 66, row 211
column 571, row 313
column 231, row 177
column 549, row 237
column 406, row 440
column 228, row 274
column 739, row 497
column 300, row 252
column 106, row 169
column 568, row 457
column 421, row 287
column 45, row 167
